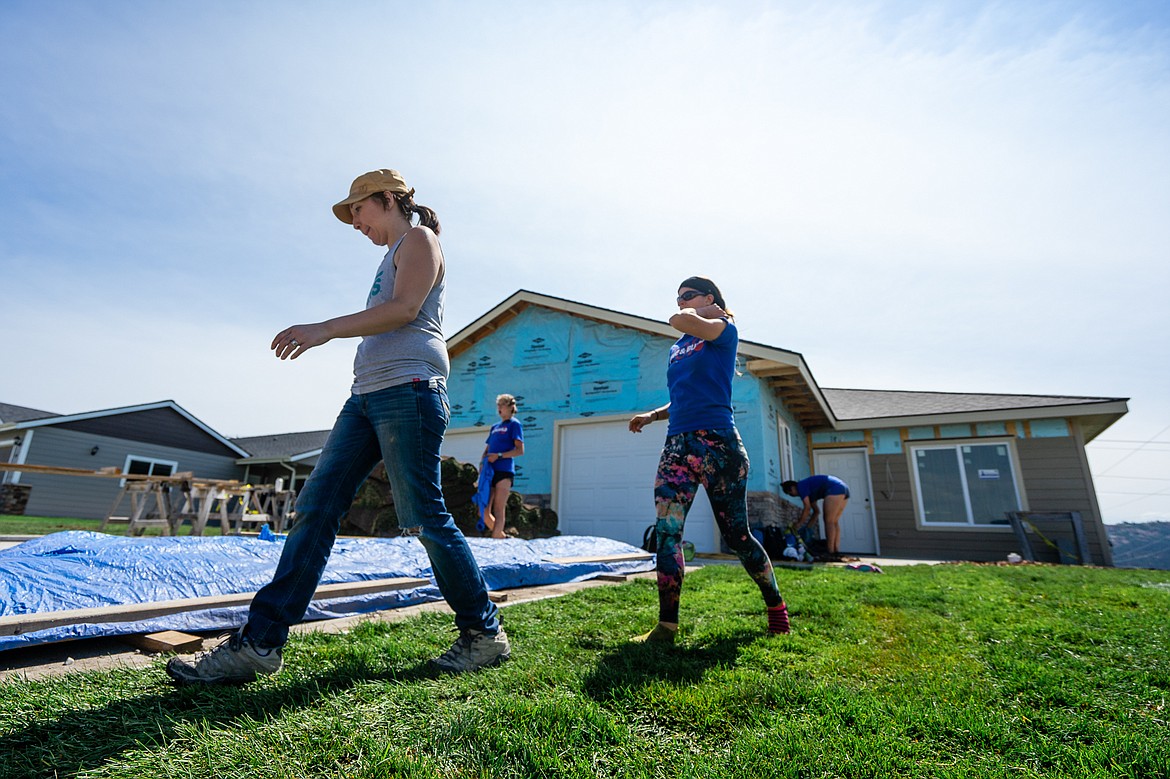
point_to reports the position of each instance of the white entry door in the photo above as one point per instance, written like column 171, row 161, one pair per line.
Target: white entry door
column 605, row 483
column 858, row 526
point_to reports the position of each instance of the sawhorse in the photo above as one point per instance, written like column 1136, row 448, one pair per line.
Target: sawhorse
column 142, row 494
column 1050, row 520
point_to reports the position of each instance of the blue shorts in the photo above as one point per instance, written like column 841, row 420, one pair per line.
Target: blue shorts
column 837, row 489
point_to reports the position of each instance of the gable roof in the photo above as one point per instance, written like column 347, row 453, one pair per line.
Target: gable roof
column 789, row 377
column 859, row 408
column 61, row 419
column 285, row 447
column 10, row 414
column 784, row 371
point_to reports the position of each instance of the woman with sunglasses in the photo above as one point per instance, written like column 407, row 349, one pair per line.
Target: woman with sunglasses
column 703, row 447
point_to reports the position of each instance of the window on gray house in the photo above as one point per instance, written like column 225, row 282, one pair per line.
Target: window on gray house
column 965, row 484
column 146, row 466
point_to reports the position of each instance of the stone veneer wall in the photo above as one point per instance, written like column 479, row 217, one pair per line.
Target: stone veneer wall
column 14, row 498
column 767, row 509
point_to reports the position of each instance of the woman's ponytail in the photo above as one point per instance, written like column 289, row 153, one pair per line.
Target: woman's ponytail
column 426, row 216
column 405, row 203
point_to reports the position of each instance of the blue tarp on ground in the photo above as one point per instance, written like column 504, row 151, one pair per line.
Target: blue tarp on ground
column 81, row 570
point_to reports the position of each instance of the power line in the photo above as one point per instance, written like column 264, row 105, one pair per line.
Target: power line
column 1130, row 448
column 1148, row 449
column 1136, row 478
column 1135, row 451
column 1160, row 493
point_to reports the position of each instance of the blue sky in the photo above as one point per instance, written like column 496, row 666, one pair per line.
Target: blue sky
column 954, row 196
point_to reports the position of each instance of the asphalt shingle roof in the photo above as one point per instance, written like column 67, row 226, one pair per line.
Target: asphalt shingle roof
column 872, row 404
column 283, row 445
column 10, row 413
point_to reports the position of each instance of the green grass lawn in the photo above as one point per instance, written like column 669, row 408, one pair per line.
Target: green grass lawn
column 926, row 671
column 13, row 525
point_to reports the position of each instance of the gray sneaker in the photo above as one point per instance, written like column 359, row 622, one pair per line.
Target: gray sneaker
column 235, row 660
column 474, row 650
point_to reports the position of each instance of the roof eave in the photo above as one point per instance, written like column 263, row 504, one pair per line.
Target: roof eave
column 789, row 378
column 284, row 458
column 110, row 412
column 522, row 298
column 1104, row 414
column 517, row 301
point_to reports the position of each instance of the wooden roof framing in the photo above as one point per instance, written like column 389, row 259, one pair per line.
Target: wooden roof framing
column 793, row 388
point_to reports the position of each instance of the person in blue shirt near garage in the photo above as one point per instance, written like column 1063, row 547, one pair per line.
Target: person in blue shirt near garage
column 703, row 447
column 505, row 442
column 829, row 490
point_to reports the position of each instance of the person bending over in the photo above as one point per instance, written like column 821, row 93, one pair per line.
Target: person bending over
column 830, row 491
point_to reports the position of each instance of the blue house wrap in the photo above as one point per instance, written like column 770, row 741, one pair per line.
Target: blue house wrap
column 560, row 366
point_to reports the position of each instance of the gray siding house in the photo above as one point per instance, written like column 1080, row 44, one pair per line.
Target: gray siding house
column 945, row 466
column 154, row 438
column 932, row 474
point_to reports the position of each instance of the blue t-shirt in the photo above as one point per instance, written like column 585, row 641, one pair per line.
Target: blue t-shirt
column 699, row 380
column 502, row 438
column 817, row 487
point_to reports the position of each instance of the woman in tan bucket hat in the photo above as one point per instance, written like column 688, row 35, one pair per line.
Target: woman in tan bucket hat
column 397, row 413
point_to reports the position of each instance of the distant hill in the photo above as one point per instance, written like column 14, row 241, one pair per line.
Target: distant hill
column 1141, row 544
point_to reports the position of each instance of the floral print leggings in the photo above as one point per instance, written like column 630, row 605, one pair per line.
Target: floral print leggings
column 717, row 460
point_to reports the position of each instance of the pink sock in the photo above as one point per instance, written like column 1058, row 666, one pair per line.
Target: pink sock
column 778, row 620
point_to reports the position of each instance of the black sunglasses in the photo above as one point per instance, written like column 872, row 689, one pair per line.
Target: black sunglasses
column 690, row 294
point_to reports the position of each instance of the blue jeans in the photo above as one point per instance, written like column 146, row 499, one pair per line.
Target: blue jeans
column 402, row 426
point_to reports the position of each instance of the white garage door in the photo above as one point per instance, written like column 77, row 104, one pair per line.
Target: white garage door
column 465, row 445
column 606, row 484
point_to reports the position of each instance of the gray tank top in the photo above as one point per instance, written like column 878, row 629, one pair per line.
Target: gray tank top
column 415, row 350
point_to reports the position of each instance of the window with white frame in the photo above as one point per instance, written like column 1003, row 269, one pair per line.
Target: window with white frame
column 148, row 466
column 785, row 435
column 964, row 483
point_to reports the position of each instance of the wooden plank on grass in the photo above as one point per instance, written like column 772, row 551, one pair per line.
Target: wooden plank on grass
column 18, row 624
column 165, row 641
column 613, row 558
